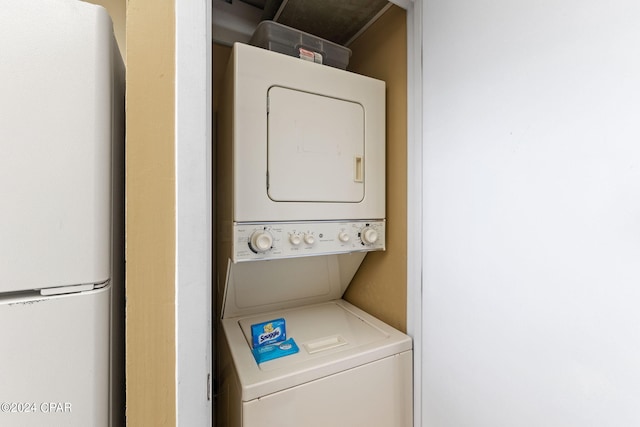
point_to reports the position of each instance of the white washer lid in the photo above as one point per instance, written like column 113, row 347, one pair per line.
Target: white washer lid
column 265, row 286
column 333, row 337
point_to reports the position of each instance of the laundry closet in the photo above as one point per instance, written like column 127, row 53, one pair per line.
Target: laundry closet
column 378, row 287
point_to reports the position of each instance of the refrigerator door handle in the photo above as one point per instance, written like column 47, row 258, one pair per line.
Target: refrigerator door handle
column 70, row 289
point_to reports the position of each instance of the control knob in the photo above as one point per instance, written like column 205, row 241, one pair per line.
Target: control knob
column 343, row 236
column 309, row 239
column 369, row 236
column 261, row 241
column 295, row 239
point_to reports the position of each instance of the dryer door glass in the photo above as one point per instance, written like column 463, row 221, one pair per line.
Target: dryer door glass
column 315, row 148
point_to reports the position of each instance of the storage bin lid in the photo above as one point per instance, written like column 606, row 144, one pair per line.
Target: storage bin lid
column 289, row 41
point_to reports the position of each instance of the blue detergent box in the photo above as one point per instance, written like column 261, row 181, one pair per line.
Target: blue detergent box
column 267, row 333
column 274, row 351
column 269, row 340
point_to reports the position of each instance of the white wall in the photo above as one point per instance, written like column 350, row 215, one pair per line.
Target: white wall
column 531, row 216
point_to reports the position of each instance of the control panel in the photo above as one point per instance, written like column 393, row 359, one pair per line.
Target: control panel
column 275, row 240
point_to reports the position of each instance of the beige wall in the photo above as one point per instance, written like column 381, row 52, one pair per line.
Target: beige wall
column 150, row 187
column 380, row 286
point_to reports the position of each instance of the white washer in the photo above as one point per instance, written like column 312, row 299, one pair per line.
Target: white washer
column 351, row 370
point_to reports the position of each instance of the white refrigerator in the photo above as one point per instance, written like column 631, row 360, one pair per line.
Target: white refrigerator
column 531, row 245
column 61, row 215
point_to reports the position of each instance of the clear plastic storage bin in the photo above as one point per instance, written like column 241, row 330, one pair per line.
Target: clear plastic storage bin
column 280, row 38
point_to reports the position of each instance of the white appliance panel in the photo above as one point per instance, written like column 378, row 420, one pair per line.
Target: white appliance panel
column 294, row 239
column 378, row 394
column 55, row 150
column 254, row 72
column 315, row 147
column 54, row 363
column 258, row 287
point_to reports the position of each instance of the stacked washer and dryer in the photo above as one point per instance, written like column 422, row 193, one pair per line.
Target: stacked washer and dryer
column 301, row 200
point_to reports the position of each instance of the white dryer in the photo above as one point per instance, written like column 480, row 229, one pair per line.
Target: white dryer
column 301, row 200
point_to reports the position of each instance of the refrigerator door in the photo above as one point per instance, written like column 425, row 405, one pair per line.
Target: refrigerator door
column 55, row 146
column 54, row 362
